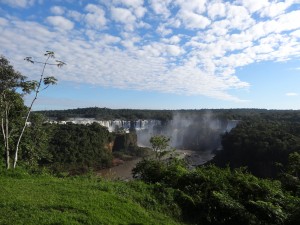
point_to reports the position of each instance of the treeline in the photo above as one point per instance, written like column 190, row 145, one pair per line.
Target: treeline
column 164, row 115
column 108, row 114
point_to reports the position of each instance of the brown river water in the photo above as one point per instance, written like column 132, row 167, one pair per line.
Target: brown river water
column 123, row 171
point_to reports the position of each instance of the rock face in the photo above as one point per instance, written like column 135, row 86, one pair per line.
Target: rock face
column 125, row 142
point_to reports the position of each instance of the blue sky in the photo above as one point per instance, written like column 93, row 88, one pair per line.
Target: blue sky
column 159, row 54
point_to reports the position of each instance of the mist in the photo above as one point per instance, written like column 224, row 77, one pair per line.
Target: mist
column 190, row 131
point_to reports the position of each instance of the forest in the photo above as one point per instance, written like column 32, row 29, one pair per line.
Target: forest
column 48, row 171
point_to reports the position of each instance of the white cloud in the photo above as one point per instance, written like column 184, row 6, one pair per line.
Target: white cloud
column 162, row 30
column 95, row 17
column 140, row 12
column 193, row 20
column 18, row 3
column 135, row 6
column 161, row 7
column 288, row 21
column 190, row 13
column 238, row 17
column 60, row 22
column 130, row 3
column 254, row 5
column 110, row 39
column 174, row 50
column 3, row 22
column 291, row 94
column 275, row 8
column 77, row 16
column 175, row 46
column 197, row 6
column 216, row 10
column 174, row 39
column 122, row 15
column 57, row 10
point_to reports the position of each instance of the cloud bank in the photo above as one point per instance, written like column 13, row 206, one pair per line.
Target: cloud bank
column 189, row 47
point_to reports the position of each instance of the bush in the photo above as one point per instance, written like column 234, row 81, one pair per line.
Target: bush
column 211, row 195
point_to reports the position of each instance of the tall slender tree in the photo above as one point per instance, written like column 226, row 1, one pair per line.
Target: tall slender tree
column 37, row 86
column 13, row 86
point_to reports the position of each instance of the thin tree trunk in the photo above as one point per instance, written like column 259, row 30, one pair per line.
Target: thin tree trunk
column 3, row 128
column 28, row 114
column 7, row 144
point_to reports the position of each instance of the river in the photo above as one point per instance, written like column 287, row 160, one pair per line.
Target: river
column 123, row 171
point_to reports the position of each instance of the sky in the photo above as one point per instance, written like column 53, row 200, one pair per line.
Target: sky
column 158, row 54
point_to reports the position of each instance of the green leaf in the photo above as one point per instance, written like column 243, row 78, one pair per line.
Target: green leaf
column 60, row 63
column 50, row 80
column 29, row 86
column 50, row 54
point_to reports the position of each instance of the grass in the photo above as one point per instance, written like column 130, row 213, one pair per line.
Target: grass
column 27, row 199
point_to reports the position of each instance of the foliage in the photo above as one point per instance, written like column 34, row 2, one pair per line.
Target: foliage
column 260, row 145
column 211, row 195
column 160, row 146
column 13, row 87
column 165, row 115
column 78, row 147
column 11, row 107
column 34, row 148
column 290, row 178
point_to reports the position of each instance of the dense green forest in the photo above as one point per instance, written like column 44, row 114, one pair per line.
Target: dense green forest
column 108, row 114
column 263, row 146
column 134, row 114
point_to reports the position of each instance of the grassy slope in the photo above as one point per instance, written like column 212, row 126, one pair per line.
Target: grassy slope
column 49, row 200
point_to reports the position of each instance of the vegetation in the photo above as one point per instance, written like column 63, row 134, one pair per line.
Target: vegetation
column 160, row 146
column 263, row 146
column 165, row 115
column 43, row 199
column 78, row 148
column 211, row 195
column 109, row 114
column 12, row 110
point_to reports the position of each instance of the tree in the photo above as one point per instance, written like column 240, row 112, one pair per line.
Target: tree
column 160, row 146
column 11, row 103
column 13, row 86
column 37, row 86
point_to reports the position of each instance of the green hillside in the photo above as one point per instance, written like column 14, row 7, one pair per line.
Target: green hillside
column 27, row 199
